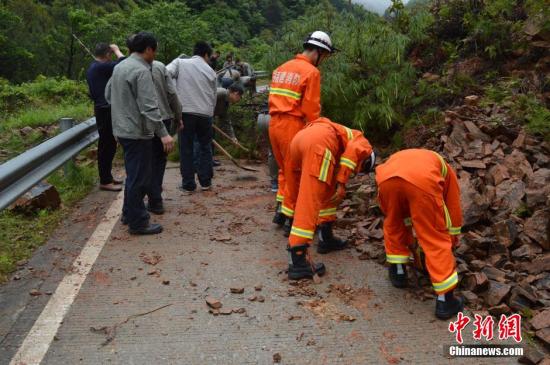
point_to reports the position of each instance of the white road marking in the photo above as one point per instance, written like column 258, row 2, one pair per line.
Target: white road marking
column 38, row 340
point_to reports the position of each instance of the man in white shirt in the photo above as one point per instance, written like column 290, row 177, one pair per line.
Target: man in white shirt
column 196, row 88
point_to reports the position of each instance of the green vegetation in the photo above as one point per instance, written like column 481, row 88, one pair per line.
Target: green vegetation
column 404, row 69
column 37, row 105
column 36, row 36
column 21, row 233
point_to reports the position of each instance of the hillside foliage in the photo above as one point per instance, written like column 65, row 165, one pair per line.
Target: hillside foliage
column 36, row 36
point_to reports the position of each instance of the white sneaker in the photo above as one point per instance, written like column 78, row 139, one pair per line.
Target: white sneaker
column 206, row 188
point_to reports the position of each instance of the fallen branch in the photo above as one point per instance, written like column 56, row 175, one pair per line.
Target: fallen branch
column 110, row 331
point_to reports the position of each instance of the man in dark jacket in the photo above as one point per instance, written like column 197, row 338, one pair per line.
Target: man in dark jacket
column 98, row 75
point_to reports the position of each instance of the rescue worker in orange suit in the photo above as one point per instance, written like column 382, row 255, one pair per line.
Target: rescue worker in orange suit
column 417, row 187
column 321, row 159
column 294, row 100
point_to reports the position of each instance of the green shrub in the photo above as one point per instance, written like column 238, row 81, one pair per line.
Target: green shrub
column 42, row 91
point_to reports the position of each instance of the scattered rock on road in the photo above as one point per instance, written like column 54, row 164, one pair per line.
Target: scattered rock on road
column 213, row 302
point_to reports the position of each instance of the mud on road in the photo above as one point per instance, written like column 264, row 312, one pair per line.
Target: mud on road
column 144, row 300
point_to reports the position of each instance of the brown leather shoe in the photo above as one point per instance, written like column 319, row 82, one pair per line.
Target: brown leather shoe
column 110, row 187
column 117, row 182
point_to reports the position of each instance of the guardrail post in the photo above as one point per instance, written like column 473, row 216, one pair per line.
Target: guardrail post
column 64, row 125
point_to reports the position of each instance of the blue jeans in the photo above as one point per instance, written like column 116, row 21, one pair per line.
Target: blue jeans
column 158, row 166
column 137, row 162
column 198, row 128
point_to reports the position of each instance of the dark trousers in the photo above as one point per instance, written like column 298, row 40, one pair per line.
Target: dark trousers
column 199, row 128
column 137, row 162
column 197, row 152
column 106, row 147
column 158, row 166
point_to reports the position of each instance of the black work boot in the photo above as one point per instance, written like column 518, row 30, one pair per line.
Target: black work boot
column 327, row 241
column 156, row 208
column 450, row 307
column 287, row 227
column 279, row 218
column 148, row 228
column 398, row 280
column 300, row 266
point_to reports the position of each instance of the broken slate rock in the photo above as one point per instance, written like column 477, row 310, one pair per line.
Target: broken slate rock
column 537, row 227
column 541, row 320
column 498, row 310
column 517, row 164
column 213, row 303
column 494, row 273
column 471, row 297
column 473, row 164
column 506, row 232
column 537, row 265
column 544, row 335
column 498, row 174
column 526, row 251
column 496, row 293
column 509, row 195
column 531, row 356
column 41, row 196
column 476, row 282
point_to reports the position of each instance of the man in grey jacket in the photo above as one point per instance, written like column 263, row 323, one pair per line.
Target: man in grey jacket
column 170, row 111
column 136, row 120
column 196, row 88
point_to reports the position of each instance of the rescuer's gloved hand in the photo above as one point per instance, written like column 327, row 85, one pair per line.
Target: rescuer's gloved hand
column 339, row 195
column 455, row 241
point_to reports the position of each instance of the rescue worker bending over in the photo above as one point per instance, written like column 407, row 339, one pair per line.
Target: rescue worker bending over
column 294, row 100
column 418, row 187
column 321, row 159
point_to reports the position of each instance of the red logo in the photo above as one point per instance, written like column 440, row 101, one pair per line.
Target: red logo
column 461, row 322
column 508, row 327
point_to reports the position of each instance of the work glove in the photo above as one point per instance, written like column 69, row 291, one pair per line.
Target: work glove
column 455, row 241
column 339, row 195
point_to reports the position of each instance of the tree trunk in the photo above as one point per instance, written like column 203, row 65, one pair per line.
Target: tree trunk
column 71, row 59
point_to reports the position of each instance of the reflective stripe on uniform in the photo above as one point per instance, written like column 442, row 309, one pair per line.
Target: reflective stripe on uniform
column 349, row 133
column 327, row 212
column 452, row 230
column 323, row 172
column 287, row 211
column 446, row 284
column 455, row 230
column 348, row 163
column 304, row 233
column 285, row 92
column 443, row 165
column 397, row 259
column 280, row 198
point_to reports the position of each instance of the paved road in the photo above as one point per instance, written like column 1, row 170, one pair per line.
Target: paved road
column 212, row 242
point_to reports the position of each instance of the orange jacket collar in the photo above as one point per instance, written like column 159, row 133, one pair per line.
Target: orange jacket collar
column 303, row 58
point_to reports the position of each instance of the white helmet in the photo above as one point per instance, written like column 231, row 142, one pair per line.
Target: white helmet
column 321, row 40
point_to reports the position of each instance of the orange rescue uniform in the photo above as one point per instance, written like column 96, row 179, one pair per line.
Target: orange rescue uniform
column 417, row 187
column 294, row 100
column 320, row 156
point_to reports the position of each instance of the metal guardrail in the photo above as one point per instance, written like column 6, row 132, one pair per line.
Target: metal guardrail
column 21, row 173
column 259, row 74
